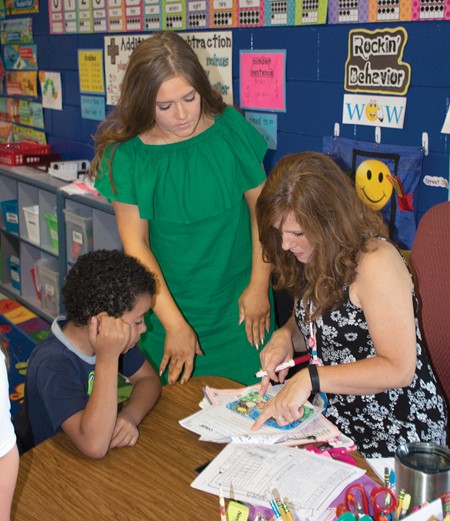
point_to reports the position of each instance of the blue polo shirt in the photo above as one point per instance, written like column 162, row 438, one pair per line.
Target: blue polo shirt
column 60, row 378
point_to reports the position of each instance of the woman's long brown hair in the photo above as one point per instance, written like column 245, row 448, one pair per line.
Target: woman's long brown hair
column 312, row 188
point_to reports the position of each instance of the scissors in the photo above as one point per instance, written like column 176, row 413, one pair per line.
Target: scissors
column 361, row 504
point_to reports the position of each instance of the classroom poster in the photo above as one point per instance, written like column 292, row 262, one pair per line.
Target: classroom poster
column 362, row 11
column 117, row 51
column 374, row 111
column 93, row 107
column 20, row 56
column 446, row 125
column 214, row 50
column 374, row 62
column 31, row 114
column 22, row 6
column 51, row 90
column 266, row 125
column 6, row 132
column 90, row 67
column 17, row 30
column 28, row 135
column 262, row 80
column 21, row 83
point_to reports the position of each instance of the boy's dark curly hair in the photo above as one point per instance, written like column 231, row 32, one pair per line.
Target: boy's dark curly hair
column 104, row 281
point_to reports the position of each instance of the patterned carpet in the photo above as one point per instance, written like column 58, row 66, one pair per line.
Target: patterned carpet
column 20, row 331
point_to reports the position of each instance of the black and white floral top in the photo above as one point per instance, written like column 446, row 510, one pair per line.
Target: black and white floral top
column 377, row 423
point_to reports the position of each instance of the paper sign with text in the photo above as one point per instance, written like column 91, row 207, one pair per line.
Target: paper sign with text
column 262, row 80
column 374, row 111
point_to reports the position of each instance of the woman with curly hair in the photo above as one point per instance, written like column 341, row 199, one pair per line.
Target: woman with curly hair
column 355, row 311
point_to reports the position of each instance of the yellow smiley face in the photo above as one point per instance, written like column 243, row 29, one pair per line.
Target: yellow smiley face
column 372, row 109
column 372, row 183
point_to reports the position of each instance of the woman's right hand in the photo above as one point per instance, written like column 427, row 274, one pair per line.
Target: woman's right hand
column 180, row 347
column 279, row 349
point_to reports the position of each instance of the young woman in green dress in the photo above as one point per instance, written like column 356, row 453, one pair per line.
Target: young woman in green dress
column 183, row 172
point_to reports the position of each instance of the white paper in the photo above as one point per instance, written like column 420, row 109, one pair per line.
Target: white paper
column 221, row 425
column 379, row 464
column 433, row 510
column 307, row 482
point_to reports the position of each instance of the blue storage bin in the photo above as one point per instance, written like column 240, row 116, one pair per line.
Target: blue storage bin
column 14, row 271
column 10, row 212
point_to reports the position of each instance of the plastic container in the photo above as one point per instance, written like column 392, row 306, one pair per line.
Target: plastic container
column 48, row 281
column 52, row 223
column 79, row 234
column 32, row 222
column 11, row 215
column 22, row 153
column 14, row 271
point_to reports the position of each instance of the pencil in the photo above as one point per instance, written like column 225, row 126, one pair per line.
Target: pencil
column 275, row 510
column 223, row 515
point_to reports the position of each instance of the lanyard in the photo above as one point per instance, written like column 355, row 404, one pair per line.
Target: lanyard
column 312, row 342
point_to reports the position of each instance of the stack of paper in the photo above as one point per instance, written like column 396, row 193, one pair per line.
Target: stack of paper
column 306, row 482
column 228, row 415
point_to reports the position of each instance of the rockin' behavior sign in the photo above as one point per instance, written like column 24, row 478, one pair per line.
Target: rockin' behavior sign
column 374, row 62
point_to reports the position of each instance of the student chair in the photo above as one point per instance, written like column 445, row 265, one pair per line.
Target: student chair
column 430, row 263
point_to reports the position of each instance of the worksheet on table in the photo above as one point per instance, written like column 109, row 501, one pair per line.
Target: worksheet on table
column 307, row 482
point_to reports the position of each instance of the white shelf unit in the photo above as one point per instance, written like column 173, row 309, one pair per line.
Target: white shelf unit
column 34, row 188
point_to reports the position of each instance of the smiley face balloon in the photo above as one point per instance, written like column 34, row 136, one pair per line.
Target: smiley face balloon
column 373, row 183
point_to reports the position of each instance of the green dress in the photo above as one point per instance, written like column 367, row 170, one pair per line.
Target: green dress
column 192, row 193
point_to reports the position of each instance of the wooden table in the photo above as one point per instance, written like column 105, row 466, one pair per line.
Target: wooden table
column 150, row 481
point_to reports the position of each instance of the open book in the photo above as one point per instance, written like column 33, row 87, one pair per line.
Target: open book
column 228, row 415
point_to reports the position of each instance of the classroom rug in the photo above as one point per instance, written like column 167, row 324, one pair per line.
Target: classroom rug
column 20, row 331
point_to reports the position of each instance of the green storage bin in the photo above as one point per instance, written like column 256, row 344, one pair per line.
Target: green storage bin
column 52, row 223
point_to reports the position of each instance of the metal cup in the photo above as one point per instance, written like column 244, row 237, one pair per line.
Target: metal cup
column 423, row 470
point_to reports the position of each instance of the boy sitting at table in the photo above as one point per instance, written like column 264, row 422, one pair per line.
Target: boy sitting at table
column 71, row 382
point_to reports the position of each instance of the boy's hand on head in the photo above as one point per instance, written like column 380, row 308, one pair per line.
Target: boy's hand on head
column 125, row 432
column 109, row 336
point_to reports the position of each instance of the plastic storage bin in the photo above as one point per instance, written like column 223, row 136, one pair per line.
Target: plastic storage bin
column 32, row 221
column 79, row 234
column 14, row 271
column 11, row 215
column 48, row 281
column 52, row 223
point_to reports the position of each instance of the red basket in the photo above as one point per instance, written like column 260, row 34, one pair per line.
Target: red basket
column 22, row 153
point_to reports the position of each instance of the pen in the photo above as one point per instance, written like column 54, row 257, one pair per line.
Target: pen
column 285, row 365
column 223, row 515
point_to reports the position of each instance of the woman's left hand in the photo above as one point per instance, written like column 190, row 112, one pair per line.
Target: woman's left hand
column 286, row 406
column 254, row 309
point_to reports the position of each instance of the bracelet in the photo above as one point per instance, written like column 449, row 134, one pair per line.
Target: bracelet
column 314, row 375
